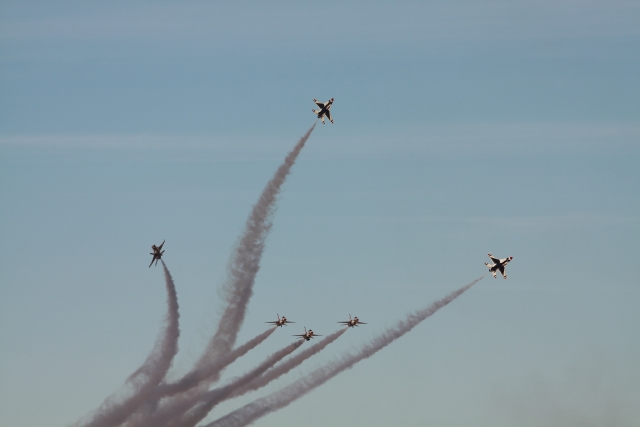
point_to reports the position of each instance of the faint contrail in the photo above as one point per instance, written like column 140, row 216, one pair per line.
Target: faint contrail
column 114, row 410
column 287, row 365
column 281, row 398
column 245, row 262
column 207, row 401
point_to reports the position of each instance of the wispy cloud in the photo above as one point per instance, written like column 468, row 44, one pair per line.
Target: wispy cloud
column 351, row 24
column 513, row 138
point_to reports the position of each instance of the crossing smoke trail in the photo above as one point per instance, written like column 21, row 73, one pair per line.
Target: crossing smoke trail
column 238, row 288
column 283, row 397
column 194, row 377
column 242, row 387
column 245, row 263
column 286, row 366
column 186, row 385
column 211, row 398
column 114, row 410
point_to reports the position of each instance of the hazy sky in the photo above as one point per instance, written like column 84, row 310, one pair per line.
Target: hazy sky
column 460, row 128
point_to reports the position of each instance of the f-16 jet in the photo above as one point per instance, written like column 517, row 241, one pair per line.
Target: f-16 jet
column 498, row 265
column 282, row 321
column 307, row 335
column 323, row 110
column 353, row 322
column 157, row 253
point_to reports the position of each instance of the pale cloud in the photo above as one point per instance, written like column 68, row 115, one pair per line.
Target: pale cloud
column 542, row 138
column 221, row 24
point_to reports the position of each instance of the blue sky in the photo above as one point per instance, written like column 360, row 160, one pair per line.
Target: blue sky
column 460, row 128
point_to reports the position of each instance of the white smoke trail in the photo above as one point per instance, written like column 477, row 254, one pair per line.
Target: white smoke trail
column 208, row 400
column 197, row 375
column 245, row 262
column 115, row 410
column 237, row 291
column 189, row 387
column 287, row 365
column 281, row 398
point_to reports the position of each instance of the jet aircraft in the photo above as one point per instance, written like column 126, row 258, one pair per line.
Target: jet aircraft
column 282, row 321
column 324, row 110
column 353, row 322
column 498, row 265
column 307, row 335
column 157, row 253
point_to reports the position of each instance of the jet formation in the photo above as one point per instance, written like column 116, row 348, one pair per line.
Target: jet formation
column 498, row 265
column 323, row 111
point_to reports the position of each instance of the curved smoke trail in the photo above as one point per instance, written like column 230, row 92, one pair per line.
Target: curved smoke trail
column 245, row 262
column 208, row 400
column 237, row 290
column 114, row 410
column 283, row 397
column 187, row 388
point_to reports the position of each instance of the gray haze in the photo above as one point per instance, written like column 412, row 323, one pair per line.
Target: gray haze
column 283, row 397
column 114, row 410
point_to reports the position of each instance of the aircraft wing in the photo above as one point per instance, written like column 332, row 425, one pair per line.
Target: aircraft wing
column 152, row 259
column 361, row 323
column 494, row 259
column 319, row 104
column 328, row 114
column 272, row 322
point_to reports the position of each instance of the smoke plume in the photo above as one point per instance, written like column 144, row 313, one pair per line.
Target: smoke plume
column 209, row 399
column 114, row 410
column 197, row 375
column 237, row 290
column 189, row 386
column 281, row 398
column 286, row 366
column 245, row 262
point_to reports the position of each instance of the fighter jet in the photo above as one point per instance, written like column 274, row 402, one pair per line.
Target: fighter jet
column 324, row 109
column 282, row 321
column 498, row 265
column 307, row 335
column 157, row 253
column 353, row 322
